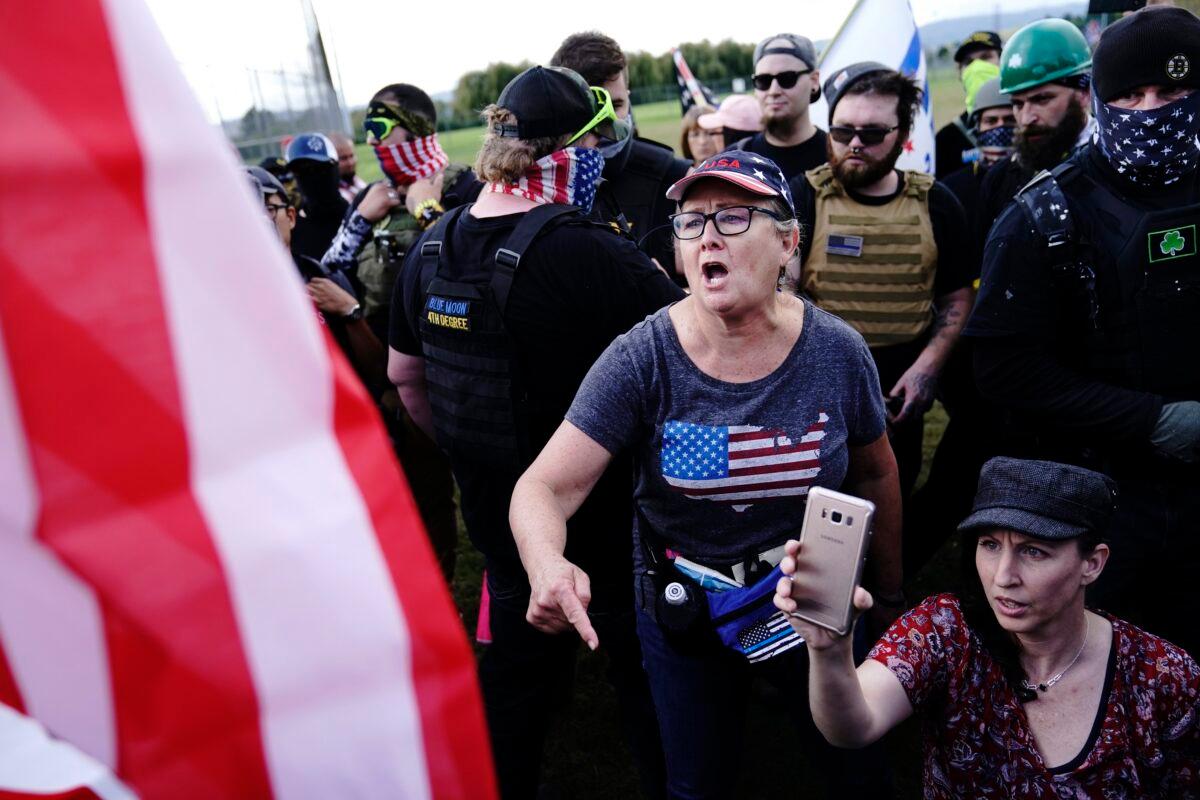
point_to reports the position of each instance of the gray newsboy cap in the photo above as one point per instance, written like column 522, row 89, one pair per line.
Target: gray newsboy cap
column 1043, row 499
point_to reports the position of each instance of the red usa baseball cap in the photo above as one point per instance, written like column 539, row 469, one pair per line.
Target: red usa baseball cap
column 749, row 171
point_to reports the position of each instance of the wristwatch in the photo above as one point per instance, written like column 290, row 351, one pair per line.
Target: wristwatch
column 354, row 314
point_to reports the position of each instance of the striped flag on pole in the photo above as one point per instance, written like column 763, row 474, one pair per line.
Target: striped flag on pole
column 884, row 31
column 213, row 579
column 691, row 91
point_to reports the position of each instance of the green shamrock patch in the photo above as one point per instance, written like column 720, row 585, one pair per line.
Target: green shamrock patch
column 1172, row 243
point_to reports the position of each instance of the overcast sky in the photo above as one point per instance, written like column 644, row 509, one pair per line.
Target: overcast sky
column 431, row 44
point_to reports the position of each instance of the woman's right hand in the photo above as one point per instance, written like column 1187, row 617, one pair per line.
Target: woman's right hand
column 790, row 587
column 558, row 600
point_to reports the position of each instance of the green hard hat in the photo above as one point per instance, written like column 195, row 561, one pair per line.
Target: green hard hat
column 1043, row 51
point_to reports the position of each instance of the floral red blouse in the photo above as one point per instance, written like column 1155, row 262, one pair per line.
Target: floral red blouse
column 1145, row 743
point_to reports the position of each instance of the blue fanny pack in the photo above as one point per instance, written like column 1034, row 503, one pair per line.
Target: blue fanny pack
column 747, row 621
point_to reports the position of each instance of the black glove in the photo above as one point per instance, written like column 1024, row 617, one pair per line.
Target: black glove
column 1177, row 433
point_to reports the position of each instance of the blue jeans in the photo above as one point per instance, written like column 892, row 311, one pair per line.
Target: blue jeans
column 700, row 690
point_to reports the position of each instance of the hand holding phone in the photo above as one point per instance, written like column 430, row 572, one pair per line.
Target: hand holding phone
column 817, row 638
column 826, row 564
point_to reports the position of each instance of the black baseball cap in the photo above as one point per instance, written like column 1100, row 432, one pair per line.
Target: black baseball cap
column 267, row 182
column 277, row 167
column 1157, row 45
column 788, row 44
column 979, row 40
column 837, row 83
column 547, row 102
column 1043, row 499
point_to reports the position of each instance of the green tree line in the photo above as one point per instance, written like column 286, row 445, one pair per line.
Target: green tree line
column 708, row 61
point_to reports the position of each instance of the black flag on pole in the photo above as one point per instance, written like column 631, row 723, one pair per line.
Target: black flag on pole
column 691, row 91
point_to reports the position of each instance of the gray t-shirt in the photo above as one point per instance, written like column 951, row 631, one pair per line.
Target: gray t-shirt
column 723, row 469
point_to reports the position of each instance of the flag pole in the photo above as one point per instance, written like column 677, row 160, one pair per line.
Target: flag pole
column 842, row 27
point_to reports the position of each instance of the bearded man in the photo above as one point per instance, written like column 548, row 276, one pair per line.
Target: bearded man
column 886, row 250
column 1046, row 68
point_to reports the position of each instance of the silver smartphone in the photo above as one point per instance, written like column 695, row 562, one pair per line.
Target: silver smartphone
column 833, row 547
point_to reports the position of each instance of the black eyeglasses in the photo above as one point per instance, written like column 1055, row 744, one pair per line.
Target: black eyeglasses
column 844, row 134
column 786, row 79
column 729, row 221
column 273, row 209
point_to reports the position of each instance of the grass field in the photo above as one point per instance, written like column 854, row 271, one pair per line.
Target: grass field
column 586, row 758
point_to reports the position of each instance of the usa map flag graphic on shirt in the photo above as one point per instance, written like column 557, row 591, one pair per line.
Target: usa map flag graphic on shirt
column 740, row 464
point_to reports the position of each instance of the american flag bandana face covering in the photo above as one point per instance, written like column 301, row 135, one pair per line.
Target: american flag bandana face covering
column 1151, row 148
column 411, row 161
column 565, row 176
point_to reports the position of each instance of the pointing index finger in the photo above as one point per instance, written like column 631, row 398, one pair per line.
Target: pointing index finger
column 577, row 615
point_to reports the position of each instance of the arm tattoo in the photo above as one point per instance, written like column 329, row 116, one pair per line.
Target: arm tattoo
column 947, row 317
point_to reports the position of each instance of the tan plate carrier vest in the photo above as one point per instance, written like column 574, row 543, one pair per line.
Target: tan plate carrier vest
column 886, row 293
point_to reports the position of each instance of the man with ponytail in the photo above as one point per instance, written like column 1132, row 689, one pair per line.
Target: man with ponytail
column 499, row 311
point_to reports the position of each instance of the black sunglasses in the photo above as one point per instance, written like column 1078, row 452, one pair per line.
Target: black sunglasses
column 844, row 134
column 786, row 79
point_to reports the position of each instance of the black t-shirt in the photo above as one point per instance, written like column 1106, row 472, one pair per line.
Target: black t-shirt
column 950, row 144
column 955, row 264
column 999, row 186
column 639, row 192
column 577, row 288
column 965, row 184
column 1019, row 360
column 794, row 160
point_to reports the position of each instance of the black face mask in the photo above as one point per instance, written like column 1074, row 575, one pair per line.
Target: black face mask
column 1151, row 148
column 318, row 182
column 1055, row 143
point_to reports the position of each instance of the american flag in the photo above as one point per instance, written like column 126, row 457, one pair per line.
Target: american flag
column 558, row 178
column 213, row 579
column 768, row 637
column 739, row 464
column 417, row 158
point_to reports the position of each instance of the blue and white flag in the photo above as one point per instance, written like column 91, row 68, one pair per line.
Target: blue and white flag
column 883, row 31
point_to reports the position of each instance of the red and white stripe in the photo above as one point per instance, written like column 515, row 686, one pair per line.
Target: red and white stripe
column 416, row 159
column 34, row 766
column 689, row 80
column 763, row 463
column 212, row 577
column 548, row 181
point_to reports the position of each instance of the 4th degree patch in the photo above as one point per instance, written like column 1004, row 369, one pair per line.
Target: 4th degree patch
column 1172, row 243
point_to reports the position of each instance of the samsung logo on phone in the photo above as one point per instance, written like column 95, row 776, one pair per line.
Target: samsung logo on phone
column 829, row 538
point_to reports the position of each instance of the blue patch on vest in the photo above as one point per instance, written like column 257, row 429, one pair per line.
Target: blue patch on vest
column 445, row 305
column 840, row 245
column 448, row 313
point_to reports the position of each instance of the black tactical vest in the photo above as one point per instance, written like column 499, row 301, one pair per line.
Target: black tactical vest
column 1127, row 279
column 475, row 391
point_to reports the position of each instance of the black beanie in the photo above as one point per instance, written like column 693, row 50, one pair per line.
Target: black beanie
column 1158, row 45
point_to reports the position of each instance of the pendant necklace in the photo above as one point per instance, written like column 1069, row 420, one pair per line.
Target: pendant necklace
column 1043, row 686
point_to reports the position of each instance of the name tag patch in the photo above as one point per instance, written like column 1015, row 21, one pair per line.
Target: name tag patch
column 1172, row 243
column 844, row 245
column 446, row 312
